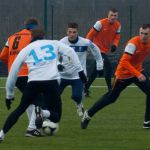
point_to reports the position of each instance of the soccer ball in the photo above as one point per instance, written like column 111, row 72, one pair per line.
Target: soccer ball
column 49, row 127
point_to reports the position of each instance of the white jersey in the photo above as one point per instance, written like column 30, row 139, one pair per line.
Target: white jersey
column 81, row 48
column 41, row 58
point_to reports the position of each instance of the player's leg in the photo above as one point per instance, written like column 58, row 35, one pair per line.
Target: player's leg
column 145, row 87
column 108, row 98
column 45, row 114
column 29, row 94
column 146, row 123
column 32, row 130
column 91, row 79
column 52, row 99
column 21, row 84
column 77, row 95
column 63, row 84
column 107, row 71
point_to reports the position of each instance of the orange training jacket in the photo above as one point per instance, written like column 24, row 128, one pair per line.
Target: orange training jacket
column 131, row 65
column 14, row 45
column 107, row 35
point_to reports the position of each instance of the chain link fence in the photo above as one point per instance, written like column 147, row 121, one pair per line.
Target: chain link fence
column 55, row 14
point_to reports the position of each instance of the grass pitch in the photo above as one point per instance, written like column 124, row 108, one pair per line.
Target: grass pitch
column 116, row 127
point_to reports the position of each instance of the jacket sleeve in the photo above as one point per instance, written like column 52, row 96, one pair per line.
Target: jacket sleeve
column 117, row 37
column 91, row 33
column 97, row 55
column 125, row 62
column 4, row 55
column 13, row 74
column 71, row 54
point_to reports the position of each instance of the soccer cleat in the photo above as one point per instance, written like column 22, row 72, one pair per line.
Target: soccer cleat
column 85, row 120
column 80, row 110
column 39, row 117
column 33, row 133
column 146, row 125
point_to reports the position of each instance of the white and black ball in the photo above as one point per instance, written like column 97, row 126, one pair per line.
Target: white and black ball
column 49, row 127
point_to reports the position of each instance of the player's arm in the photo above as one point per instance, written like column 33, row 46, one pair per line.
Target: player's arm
column 13, row 74
column 94, row 30
column 78, row 66
column 116, row 40
column 72, row 56
column 4, row 53
column 74, row 60
column 117, row 37
column 97, row 55
column 126, row 60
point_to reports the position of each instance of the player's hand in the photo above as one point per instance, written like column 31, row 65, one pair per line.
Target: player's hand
column 113, row 48
column 142, row 78
column 60, row 67
column 8, row 102
column 83, row 77
column 100, row 73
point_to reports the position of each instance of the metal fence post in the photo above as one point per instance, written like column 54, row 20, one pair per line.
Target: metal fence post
column 131, row 20
column 45, row 16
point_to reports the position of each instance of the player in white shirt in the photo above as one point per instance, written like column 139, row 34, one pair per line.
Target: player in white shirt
column 80, row 46
column 41, row 57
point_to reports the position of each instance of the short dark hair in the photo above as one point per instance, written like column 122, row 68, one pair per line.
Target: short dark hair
column 72, row 25
column 114, row 10
column 38, row 33
column 145, row 26
column 31, row 23
column 31, row 20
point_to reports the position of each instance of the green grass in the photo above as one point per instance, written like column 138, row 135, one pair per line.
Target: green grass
column 116, row 127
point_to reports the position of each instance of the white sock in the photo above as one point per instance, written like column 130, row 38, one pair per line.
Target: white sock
column 29, row 111
column 79, row 105
column 32, row 120
column 46, row 113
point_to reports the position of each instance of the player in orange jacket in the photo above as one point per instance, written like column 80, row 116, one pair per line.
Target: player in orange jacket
column 106, row 35
column 13, row 46
column 129, row 70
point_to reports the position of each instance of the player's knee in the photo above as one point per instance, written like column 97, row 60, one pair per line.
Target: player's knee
column 112, row 100
column 77, row 98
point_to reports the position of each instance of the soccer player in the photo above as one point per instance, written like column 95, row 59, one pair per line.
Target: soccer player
column 13, row 46
column 129, row 70
column 106, row 35
column 80, row 46
column 41, row 57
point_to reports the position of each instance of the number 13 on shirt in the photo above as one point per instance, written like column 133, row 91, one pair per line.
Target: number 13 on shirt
column 47, row 56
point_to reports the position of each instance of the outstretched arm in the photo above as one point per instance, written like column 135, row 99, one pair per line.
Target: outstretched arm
column 126, row 62
column 117, row 37
column 97, row 55
column 13, row 74
column 4, row 55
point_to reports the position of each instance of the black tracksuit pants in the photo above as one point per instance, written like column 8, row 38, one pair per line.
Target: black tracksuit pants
column 50, row 91
column 118, row 87
column 107, row 73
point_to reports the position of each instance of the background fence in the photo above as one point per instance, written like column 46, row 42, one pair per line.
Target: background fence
column 55, row 14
